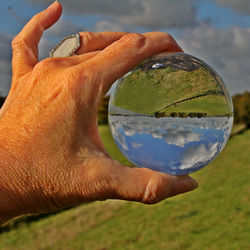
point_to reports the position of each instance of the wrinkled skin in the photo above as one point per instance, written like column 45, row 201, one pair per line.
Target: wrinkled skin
column 51, row 154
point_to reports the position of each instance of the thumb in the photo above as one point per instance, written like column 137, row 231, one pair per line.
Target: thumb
column 139, row 184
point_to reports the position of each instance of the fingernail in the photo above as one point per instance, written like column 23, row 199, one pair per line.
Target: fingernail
column 185, row 185
column 52, row 5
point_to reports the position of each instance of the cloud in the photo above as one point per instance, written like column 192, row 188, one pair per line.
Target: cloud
column 227, row 51
column 161, row 14
column 119, row 137
column 136, row 145
column 242, row 6
column 105, row 25
column 175, row 131
column 5, row 63
column 5, row 45
column 129, row 131
column 64, row 28
column 5, row 77
column 198, row 154
column 180, row 138
column 44, row 48
column 145, row 13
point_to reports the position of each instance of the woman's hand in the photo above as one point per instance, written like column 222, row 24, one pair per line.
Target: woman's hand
column 51, row 154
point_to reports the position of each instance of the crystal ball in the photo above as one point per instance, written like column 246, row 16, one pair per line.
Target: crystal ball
column 172, row 113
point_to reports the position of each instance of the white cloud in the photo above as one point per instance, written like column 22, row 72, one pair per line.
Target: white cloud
column 156, row 134
column 198, row 154
column 175, row 131
column 180, row 137
column 129, row 131
column 118, row 136
column 168, row 127
column 227, row 51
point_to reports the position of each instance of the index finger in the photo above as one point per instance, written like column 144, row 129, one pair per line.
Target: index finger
column 124, row 54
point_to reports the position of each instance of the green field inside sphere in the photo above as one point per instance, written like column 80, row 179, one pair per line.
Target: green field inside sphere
column 169, row 92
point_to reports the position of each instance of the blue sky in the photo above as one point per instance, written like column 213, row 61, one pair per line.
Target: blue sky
column 217, row 31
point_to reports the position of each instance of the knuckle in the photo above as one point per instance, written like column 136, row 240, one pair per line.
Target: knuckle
column 37, row 17
column 161, row 35
column 47, row 62
column 44, row 67
column 167, row 35
column 169, row 38
column 150, row 196
column 87, row 37
column 73, row 78
column 164, row 34
column 135, row 39
column 17, row 42
column 76, row 81
column 153, row 193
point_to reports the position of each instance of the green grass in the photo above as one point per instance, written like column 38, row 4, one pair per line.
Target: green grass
column 150, row 91
column 211, row 104
column 215, row 216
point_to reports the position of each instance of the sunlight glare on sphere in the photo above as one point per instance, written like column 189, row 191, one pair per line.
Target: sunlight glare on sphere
column 172, row 113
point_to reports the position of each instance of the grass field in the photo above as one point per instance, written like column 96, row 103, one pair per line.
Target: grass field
column 216, row 104
column 215, row 216
column 150, row 91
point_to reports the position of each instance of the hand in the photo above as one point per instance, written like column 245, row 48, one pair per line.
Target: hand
column 51, row 154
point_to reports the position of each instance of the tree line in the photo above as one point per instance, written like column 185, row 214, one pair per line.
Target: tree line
column 241, row 104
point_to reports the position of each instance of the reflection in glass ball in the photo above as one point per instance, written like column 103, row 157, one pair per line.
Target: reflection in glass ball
column 172, row 113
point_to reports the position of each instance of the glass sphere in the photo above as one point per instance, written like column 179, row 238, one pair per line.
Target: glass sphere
column 172, row 113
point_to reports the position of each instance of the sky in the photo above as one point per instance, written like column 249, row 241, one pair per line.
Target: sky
column 168, row 144
column 216, row 31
